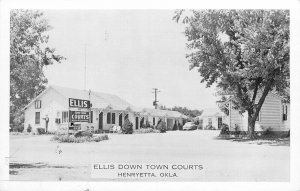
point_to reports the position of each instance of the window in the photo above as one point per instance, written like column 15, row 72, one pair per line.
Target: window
column 113, row 118
column 284, row 112
column 108, row 118
column 38, row 104
column 65, row 117
column 153, row 120
column 120, row 119
column 209, row 121
column 37, row 117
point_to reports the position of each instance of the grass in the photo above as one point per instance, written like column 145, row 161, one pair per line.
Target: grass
column 259, row 140
column 72, row 139
column 145, row 130
column 19, row 133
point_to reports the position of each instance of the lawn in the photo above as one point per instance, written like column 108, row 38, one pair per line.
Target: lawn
column 37, row 158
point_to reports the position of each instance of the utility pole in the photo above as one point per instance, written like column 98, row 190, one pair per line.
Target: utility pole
column 155, row 97
column 84, row 66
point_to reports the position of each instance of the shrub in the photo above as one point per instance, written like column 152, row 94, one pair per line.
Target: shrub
column 180, row 126
column 175, row 127
column 17, row 121
column 210, row 127
column 100, row 138
column 127, row 127
column 51, row 133
column 148, row 124
column 15, row 133
column 40, row 131
column 224, row 129
column 18, row 129
column 267, row 131
column 29, row 128
column 236, row 127
column 146, row 130
column 161, row 126
column 73, row 139
column 83, row 134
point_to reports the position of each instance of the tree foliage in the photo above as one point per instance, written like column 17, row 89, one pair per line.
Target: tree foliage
column 223, row 106
column 188, row 112
column 242, row 51
column 184, row 110
column 29, row 54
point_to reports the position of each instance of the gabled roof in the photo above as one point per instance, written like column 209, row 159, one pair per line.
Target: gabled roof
column 105, row 100
column 283, row 98
column 98, row 99
column 211, row 112
column 163, row 113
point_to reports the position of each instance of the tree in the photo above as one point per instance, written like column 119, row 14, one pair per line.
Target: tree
column 243, row 52
column 188, row 112
column 29, row 54
column 223, row 105
column 127, row 127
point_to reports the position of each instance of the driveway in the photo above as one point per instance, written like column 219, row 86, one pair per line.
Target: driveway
column 37, row 158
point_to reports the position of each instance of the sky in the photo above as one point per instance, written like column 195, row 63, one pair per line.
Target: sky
column 127, row 53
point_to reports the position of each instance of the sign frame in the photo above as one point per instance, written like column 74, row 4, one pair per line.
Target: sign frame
column 81, row 103
column 85, row 113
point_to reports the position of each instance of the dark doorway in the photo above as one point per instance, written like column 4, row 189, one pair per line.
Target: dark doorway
column 120, row 119
column 142, row 122
column 219, row 122
column 136, row 122
column 101, row 121
column 201, row 123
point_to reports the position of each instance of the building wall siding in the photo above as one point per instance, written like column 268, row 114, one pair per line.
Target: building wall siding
column 51, row 103
column 214, row 120
column 270, row 115
column 236, row 119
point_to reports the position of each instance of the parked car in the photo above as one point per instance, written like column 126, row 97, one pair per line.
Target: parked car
column 189, row 126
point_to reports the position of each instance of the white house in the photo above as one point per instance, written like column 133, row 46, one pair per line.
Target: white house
column 212, row 117
column 274, row 115
column 107, row 110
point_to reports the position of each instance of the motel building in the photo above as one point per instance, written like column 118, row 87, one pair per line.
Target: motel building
column 212, row 118
column 274, row 115
column 89, row 110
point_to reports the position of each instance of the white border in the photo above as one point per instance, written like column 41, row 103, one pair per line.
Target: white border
column 293, row 5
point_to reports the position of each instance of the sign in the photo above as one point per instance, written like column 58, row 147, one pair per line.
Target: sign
column 79, row 116
column 79, row 103
column 75, row 127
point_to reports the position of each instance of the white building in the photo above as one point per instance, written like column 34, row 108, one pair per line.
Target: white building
column 274, row 115
column 212, row 117
column 107, row 110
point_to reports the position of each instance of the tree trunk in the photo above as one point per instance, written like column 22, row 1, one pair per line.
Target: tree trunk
column 252, row 118
column 251, row 127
